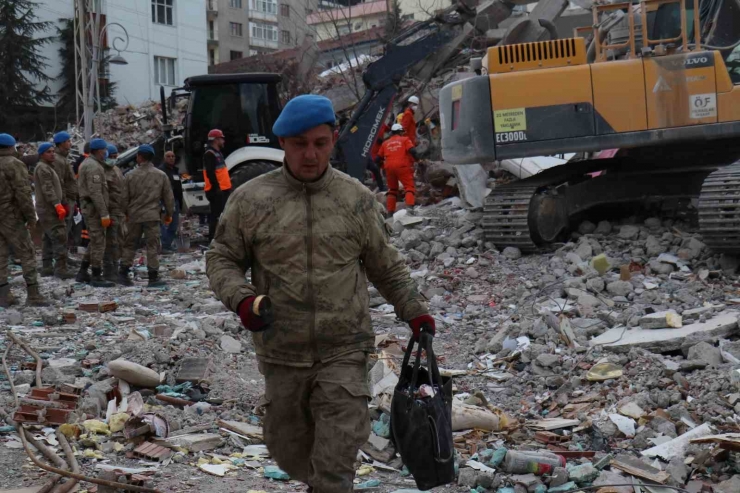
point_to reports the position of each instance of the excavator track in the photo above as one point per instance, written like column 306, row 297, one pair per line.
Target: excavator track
column 506, row 216
column 719, row 210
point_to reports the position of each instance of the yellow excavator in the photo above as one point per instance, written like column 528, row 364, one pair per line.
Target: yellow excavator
column 663, row 89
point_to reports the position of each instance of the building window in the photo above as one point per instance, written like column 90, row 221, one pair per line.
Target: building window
column 236, row 29
column 235, row 55
column 211, row 57
column 266, row 6
column 164, row 71
column 162, row 12
column 407, row 17
column 235, row 4
column 285, row 10
column 267, row 32
column 358, row 26
column 285, row 37
column 343, row 30
column 211, row 30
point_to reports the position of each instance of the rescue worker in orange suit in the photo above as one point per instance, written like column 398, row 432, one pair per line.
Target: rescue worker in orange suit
column 398, row 154
column 407, row 118
column 216, row 177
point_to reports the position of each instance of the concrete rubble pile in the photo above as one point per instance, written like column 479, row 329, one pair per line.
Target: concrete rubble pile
column 129, row 126
column 611, row 359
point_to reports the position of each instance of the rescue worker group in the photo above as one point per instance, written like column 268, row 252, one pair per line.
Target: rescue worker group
column 311, row 236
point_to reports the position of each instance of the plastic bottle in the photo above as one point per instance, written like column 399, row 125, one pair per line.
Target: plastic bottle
column 524, row 462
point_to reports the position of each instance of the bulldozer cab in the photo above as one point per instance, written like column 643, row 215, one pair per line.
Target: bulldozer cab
column 243, row 106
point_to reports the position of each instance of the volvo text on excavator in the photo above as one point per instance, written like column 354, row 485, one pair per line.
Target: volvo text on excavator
column 664, row 90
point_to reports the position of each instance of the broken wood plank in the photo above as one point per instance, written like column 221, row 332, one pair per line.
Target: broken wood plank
column 635, row 467
column 193, row 443
column 245, row 429
column 552, row 424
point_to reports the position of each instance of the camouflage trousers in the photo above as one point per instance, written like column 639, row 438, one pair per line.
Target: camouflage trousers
column 316, row 419
column 54, row 242
column 14, row 234
column 150, row 230
column 96, row 247
column 113, row 241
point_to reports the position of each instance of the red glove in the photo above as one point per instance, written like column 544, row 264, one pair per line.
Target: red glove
column 66, row 210
column 255, row 313
column 61, row 212
column 422, row 322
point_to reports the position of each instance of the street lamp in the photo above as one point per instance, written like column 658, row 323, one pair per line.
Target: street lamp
column 94, row 76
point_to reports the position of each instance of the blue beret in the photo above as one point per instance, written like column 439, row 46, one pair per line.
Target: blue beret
column 303, row 113
column 7, row 140
column 112, row 149
column 97, row 144
column 60, row 137
column 44, row 147
column 146, row 148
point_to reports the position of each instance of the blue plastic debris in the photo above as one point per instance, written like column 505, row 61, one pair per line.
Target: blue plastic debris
column 274, row 472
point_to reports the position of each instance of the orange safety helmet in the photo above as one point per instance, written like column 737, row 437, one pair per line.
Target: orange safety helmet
column 215, row 134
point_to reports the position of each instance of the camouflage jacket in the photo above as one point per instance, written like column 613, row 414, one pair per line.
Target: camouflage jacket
column 48, row 190
column 16, row 202
column 144, row 189
column 92, row 186
column 115, row 181
column 66, row 177
column 311, row 247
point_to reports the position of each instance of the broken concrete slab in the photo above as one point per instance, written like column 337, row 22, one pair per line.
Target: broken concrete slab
column 471, row 180
column 620, row 339
column 662, row 320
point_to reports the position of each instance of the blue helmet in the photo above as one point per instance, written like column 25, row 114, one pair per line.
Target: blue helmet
column 146, row 149
column 112, row 149
column 61, row 137
column 97, row 144
column 44, row 147
column 7, row 140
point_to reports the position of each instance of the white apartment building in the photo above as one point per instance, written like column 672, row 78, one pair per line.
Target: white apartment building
column 167, row 43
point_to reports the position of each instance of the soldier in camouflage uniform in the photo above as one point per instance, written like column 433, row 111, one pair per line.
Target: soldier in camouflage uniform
column 312, row 237
column 145, row 188
column 93, row 190
column 114, row 237
column 51, row 214
column 16, row 215
column 63, row 168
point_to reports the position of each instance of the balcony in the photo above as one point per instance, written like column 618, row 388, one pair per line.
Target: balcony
column 212, row 42
column 211, row 9
column 263, row 43
column 258, row 15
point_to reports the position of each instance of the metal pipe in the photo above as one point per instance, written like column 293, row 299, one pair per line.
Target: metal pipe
column 27, row 348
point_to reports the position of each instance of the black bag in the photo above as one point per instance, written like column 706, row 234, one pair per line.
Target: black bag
column 422, row 428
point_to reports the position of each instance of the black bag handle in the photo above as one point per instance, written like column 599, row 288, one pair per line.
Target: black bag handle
column 424, row 343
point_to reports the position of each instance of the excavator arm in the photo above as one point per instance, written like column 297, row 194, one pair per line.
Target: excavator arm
column 381, row 79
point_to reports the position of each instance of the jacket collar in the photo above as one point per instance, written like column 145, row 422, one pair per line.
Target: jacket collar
column 311, row 186
column 61, row 152
column 145, row 164
column 7, row 152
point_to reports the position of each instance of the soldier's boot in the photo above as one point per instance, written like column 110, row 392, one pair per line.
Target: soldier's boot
column 72, row 262
column 154, row 280
column 6, row 298
column 83, row 275
column 123, row 277
column 34, row 296
column 109, row 272
column 47, row 268
column 61, row 271
column 97, row 280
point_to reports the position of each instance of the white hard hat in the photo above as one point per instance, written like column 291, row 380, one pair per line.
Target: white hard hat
column 396, row 127
column 414, row 100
